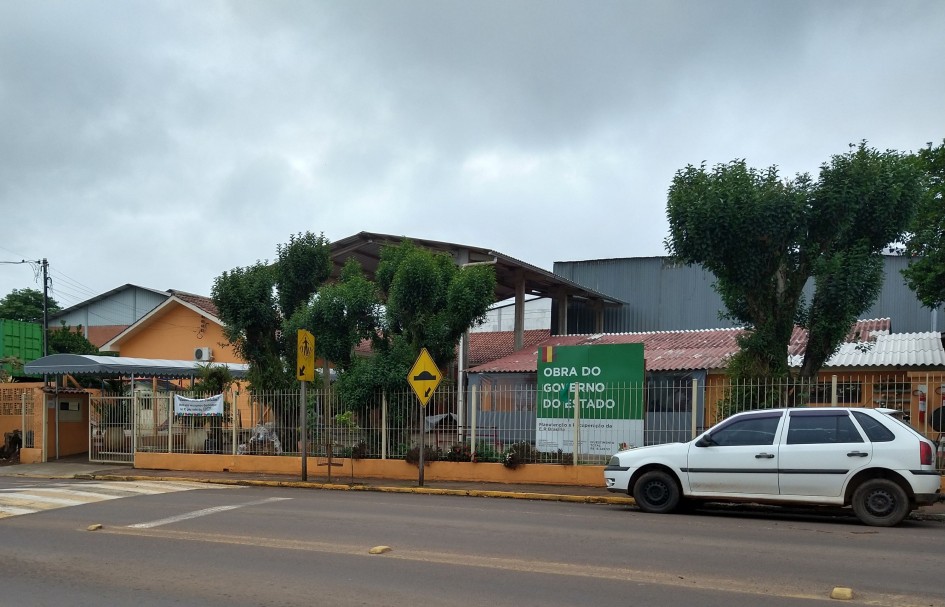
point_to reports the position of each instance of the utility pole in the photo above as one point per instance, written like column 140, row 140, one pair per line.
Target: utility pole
column 45, row 306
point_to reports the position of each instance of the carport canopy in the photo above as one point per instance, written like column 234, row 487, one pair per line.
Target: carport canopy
column 90, row 364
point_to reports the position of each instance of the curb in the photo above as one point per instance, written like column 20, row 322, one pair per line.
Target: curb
column 548, row 497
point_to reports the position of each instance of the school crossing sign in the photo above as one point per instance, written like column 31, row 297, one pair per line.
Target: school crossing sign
column 609, row 381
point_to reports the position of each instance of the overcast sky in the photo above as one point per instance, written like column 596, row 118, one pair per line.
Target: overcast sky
column 162, row 143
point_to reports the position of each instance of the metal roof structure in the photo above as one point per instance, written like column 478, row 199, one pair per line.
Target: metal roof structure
column 891, row 350
column 89, row 364
column 868, row 344
column 365, row 247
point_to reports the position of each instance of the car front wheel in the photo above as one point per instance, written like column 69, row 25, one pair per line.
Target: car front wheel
column 880, row 503
column 657, row 492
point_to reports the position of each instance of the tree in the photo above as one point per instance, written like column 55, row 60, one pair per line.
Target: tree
column 763, row 238
column 341, row 315
column 926, row 241
column 418, row 299
column 429, row 300
column 254, row 302
column 26, row 305
column 69, row 340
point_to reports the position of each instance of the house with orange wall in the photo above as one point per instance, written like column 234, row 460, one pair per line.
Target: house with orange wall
column 183, row 327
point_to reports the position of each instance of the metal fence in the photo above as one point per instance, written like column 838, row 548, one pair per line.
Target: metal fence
column 507, row 422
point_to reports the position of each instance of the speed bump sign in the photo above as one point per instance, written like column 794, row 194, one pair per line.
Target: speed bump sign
column 424, row 377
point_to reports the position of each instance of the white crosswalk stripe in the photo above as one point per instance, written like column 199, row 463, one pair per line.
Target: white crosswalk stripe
column 17, row 501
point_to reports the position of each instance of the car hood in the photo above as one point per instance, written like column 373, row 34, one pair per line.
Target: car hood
column 651, row 449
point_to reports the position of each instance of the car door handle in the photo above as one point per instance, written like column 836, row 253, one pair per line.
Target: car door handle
column 765, row 456
column 857, row 454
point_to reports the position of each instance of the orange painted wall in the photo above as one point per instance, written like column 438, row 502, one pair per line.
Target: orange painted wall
column 173, row 333
column 540, row 474
column 73, row 435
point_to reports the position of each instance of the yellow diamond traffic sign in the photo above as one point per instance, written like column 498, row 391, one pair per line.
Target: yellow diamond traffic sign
column 424, row 377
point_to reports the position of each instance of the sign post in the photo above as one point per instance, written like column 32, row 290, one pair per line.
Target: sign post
column 424, row 377
column 305, row 372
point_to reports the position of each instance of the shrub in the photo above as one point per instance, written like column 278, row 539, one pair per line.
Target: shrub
column 430, row 454
column 459, row 452
column 519, row 453
column 486, row 452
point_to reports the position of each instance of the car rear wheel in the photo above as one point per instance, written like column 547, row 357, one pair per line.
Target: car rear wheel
column 656, row 491
column 881, row 503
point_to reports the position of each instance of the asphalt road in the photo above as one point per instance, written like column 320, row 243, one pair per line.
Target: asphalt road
column 234, row 546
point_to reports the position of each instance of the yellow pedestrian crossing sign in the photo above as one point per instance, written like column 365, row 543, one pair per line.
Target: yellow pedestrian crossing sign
column 305, row 361
column 424, row 377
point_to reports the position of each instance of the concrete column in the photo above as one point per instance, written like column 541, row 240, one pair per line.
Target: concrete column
column 561, row 298
column 519, row 310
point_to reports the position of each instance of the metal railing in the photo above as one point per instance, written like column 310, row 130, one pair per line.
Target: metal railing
column 516, row 423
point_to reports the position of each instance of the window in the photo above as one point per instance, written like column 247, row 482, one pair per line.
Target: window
column 822, row 429
column 875, row 430
column 756, row 430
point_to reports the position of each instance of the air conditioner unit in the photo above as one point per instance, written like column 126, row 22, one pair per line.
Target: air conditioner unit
column 203, row 354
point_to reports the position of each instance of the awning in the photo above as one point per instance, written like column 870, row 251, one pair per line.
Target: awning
column 89, row 364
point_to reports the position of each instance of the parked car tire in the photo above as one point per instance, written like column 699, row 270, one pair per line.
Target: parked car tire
column 657, row 492
column 880, row 502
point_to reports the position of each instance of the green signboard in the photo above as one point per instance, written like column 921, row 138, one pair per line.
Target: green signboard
column 608, row 381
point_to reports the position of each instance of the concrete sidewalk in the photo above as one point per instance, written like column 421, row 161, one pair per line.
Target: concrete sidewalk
column 78, row 469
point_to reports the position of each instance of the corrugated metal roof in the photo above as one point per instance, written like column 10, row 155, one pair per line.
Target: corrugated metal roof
column 664, row 350
column 897, row 349
column 868, row 344
column 88, row 364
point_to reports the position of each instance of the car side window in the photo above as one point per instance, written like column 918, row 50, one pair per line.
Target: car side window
column 822, row 429
column 750, row 431
column 875, row 430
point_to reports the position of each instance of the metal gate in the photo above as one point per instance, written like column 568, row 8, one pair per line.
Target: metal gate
column 111, row 426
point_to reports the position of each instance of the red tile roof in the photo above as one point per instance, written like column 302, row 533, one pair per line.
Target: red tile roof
column 491, row 345
column 204, row 303
column 663, row 350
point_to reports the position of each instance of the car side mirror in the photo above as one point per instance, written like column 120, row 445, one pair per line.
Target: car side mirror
column 706, row 441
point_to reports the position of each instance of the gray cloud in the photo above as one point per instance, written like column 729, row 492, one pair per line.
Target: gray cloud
column 163, row 143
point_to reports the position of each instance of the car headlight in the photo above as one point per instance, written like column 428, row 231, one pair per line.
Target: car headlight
column 614, row 461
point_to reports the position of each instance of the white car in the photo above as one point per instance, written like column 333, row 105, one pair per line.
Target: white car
column 841, row 456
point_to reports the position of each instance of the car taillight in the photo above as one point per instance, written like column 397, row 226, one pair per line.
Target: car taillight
column 926, row 455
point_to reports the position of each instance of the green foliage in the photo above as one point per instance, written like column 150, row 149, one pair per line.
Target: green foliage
column 458, row 452
column 69, row 340
column 26, row 305
column 519, row 453
column 430, row 454
column 429, row 300
column 301, row 267
column 213, row 379
column 255, row 301
column 764, row 237
column 926, row 242
column 487, row 452
column 251, row 320
column 340, row 316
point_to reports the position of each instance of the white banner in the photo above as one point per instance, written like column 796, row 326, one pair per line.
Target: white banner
column 198, row 406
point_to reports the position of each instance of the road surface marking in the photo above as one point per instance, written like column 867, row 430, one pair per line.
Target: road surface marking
column 206, row 511
column 17, row 501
